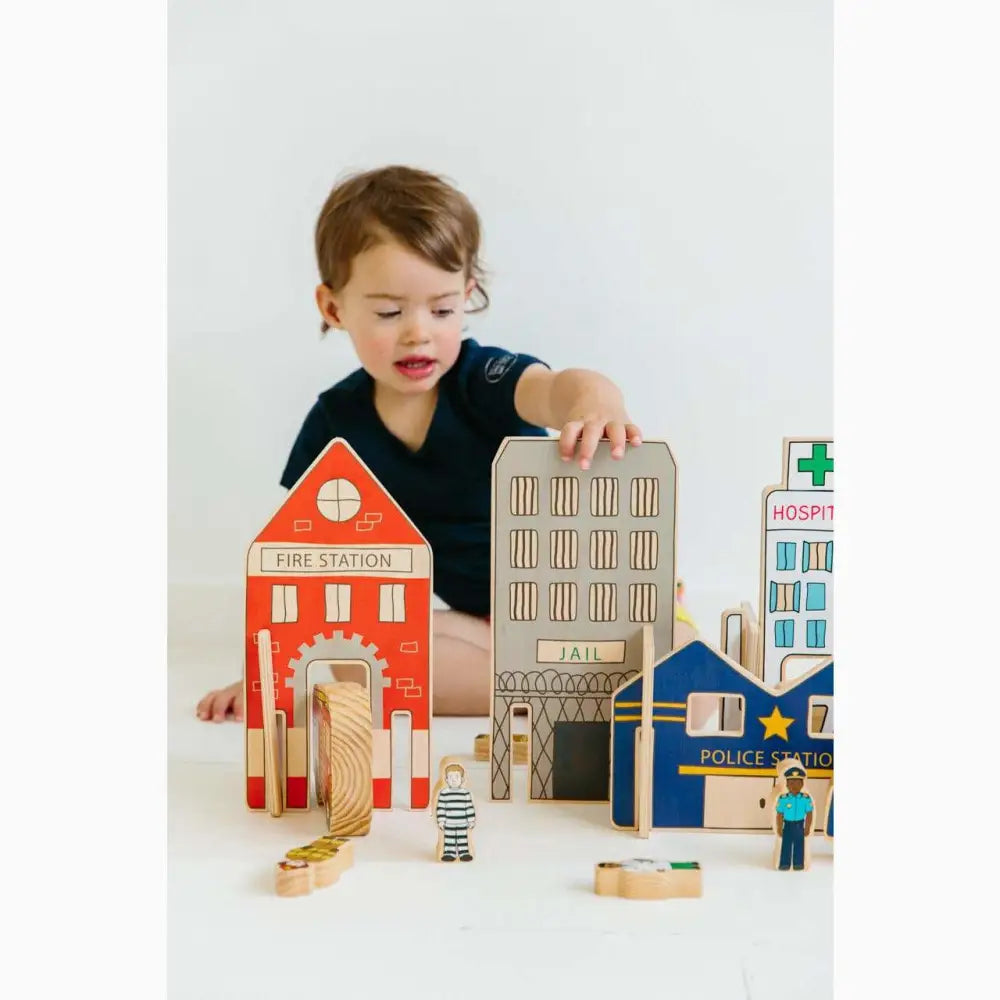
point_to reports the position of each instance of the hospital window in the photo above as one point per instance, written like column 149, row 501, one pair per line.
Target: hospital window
column 816, row 634
column 391, row 603
column 284, row 603
column 784, row 633
column 338, row 602
column 785, row 596
column 817, row 556
column 786, row 555
column 815, row 597
column 820, row 715
column 710, row 714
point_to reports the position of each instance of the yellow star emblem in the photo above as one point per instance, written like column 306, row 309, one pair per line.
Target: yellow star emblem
column 775, row 724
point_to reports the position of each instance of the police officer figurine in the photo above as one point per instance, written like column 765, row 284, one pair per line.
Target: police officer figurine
column 795, row 814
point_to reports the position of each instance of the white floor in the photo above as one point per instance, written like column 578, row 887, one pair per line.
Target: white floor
column 522, row 919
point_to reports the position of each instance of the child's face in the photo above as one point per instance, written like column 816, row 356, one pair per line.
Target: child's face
column 454, row 778
column 404, row 316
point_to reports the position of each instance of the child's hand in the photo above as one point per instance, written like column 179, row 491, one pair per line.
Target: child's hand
column 590, row 429
column 217, row 705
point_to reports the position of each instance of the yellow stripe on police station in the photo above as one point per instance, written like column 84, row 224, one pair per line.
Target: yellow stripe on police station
column 656, row 718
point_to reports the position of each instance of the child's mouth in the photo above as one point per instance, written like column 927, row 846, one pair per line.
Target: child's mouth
column 415, row 367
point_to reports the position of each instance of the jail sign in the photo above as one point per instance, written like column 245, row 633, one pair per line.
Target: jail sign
column 579, row 651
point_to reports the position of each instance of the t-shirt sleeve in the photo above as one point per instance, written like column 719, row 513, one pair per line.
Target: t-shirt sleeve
column 315, row 435
column 486, row 381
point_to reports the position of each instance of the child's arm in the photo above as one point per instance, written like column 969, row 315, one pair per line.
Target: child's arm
column 583, row 405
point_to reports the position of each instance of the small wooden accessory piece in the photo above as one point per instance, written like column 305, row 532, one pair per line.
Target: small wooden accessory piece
column 344, row 757
column 293, row 878
column 644, row 749
column 519, row 743
column 273, row 779
column 454, row 812
column 644, row 878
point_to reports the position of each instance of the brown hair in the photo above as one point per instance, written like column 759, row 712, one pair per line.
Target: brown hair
column 420, row 210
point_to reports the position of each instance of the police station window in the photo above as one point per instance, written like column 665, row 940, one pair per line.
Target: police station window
column 815, row 597
column 338, row 602
column 524, row 496
column 391, row 602
column 786, row 555
column 784, row 633
column 820, row 724
column 523, row 602
column 785, row 596
column 816, row 634
column 817, row 556
column 711, row 714
column 284, row 603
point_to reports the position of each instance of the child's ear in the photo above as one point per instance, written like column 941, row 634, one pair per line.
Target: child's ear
column 327, row 305
column 470, row 287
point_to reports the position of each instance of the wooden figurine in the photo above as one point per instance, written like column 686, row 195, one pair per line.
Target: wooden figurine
column 454, row 812
column 275, row 793
column 341, row 579
column 519, row 741
column 644, row 878
column 581, row 561
column 344, row 757
column 719, row 736
column 793, row 821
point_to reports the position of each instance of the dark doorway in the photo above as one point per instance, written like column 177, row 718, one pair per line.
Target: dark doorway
column 582, row 769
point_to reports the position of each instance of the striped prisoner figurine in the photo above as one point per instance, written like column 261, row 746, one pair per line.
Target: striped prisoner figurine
column 455, row 813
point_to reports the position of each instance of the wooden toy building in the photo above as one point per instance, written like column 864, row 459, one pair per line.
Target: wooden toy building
column 795, row 631
column 341, row 578
column 720, row 775
column 581, row 561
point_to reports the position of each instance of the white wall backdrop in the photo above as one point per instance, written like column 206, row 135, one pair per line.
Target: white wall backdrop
column 655, row 184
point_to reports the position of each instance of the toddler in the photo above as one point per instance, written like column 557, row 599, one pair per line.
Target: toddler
column 398, row 256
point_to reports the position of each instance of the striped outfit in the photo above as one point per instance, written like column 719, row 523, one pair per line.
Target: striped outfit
column 455, row 813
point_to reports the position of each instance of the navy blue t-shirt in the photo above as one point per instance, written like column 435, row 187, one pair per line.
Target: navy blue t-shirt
column 444, row 486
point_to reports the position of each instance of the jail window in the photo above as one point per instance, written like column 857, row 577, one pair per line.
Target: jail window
column 523, row 548
column 565, row 496
column 643, row 549
column 603, row 602
column 563, row 549
column 642, row 602
column 645, row 498
column 562, row 602
column 523, row 602
column 524, row 496
column 604, row 496
column 604, row 550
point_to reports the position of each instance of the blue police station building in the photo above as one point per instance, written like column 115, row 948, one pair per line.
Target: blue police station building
column 719, row 733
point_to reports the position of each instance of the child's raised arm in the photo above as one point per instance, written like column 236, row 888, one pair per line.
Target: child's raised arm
column 582, row 405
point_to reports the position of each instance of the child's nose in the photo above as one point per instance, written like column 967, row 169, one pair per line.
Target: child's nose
column 417, row 332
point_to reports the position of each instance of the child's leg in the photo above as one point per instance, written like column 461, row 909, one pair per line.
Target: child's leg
column 461, row 664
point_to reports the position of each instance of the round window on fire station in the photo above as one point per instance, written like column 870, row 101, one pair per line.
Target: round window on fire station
column 338, row 500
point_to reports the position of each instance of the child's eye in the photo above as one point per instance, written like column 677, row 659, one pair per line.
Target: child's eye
column 388, row 315
column 442, row 313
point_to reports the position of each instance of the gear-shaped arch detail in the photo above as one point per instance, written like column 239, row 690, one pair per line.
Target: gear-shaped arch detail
column 338, row 646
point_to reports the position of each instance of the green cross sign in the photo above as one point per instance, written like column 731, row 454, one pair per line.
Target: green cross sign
column 819, row 465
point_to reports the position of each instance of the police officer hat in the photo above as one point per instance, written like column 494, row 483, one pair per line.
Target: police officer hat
column 795, row 772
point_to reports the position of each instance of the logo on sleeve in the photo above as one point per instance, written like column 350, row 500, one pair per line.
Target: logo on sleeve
column 496, row 368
